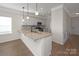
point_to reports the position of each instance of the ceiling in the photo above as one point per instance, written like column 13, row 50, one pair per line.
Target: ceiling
column 72, row 9
column 43, row 8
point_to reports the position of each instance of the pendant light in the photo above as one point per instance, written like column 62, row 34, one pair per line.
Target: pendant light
column 27, row 12
column 36, row 12
column 23, row 14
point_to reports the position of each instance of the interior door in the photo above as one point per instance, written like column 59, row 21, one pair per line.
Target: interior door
column 75, row 26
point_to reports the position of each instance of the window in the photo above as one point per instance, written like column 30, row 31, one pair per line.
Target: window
column 5, row 25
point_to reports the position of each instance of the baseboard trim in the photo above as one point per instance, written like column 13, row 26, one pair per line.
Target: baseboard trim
column 8, row 40
column 59, row 42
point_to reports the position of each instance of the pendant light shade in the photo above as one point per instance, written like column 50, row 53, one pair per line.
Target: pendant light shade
column 36, row 12
column 22, row 20
column 23, row 14
column 27, row 17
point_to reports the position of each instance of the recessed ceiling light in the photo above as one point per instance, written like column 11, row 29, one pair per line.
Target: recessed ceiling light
column 77, row 13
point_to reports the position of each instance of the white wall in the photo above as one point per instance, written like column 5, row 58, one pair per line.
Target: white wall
column 60, row 24
column 66, row 25
column 57, row 24
column 16, row 23
column 75, row 25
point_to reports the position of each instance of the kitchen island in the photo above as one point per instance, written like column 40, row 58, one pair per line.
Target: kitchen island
column 39, row 43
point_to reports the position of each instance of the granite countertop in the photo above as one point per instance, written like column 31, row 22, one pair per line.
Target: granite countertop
column 35, row 35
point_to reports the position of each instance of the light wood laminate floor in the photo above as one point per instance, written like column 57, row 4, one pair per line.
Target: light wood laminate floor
column 18, row 48
column 70, row 48
column 14, row 48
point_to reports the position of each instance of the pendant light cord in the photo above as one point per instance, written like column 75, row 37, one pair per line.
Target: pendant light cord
column 27, row 9
column 23, row 12
column 36, row 6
